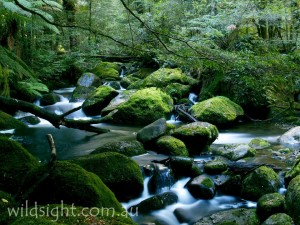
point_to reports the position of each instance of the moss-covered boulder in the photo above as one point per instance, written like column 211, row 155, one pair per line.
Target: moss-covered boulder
column 270, row 204
column 128, row 80
column 69, row 183
column 230, row 184
column 259, row 182
column 144, row 107
column 49, row 99
column 129, row 148
column 215, row 167
column 201, row 187
column 30, row 120
column 292, row 199
column 169, row 145
column 177, row 91
column 94, row 104
column 293, row 172
column 88, row 80
column 259, row 143
column 162, row 78
column 107, row 71
column 155, row 203
column 279, row 219
column 80, row 93
column 235, row 152
column 218, row 110
column 8, row 122
column 181, row 166
column 231, row 217
column 15, row 163
column 120, row 173
column 197, row 136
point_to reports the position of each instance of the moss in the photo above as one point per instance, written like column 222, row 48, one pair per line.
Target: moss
column 120, row 173
column 259, row 143
column 170, row 127
column 293, row 172
column 81, row 93
column 279, row 219
column 261, row 181
column 8, row 122
column 126, row 81
column 144, row 72
column 69, row 183
column 201, row 187
column 15, row 163
column 292, row 199
column 177, row 91
column 144, row 107
column 49, row 99
column 169, row 145
column 196, row 136
column 270, row 204
column 107, row 71
column 218, row 110
column 74, row 215
column 128, row 148
column 32, row 120
column 182, row 166
column 215, row 167
column 93, row 105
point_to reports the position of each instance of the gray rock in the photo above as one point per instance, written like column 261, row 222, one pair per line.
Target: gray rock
column 152, row 131
column 88, row 80
column 235, row 152
column 279, row 219
column 291, row 138
column 201, row 187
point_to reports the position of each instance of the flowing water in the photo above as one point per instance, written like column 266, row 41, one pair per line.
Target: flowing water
column 71, row 143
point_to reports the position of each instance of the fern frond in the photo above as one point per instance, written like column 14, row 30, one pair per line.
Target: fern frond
column 10, row 6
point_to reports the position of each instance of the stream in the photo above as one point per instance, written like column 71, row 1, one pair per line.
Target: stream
column 71, row 143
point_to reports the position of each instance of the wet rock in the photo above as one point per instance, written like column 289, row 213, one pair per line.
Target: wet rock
column 153, row 131
column 88, row 80
column 94, row 104
column 49, row 99
column 230, row 185
column 80, row 93
column 218, row 110
column 172, row 146
column 215, row 167
column 292, row 199
column 270, row 204
column 129, row 148
column 232, row 217
column 291, row 138
column 113, row 84
column 107, row 71
column 155, row 203
column 259, row 182
column 178, row 91
column 121, row 174
column 128, row 80
column 181, row 166
column 259, row 143
column 181, row 215
column 15, row 163
column 8, row 122
column 201, row 187
column 279, row 219
column 161, row 178
column 293, row 172
column 69, row 183
column 144, row 107
column 197, row 136
column 30, row 120
column 235, row 152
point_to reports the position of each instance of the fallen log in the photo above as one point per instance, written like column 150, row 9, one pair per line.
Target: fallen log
column 54, row 119
column 182, row 112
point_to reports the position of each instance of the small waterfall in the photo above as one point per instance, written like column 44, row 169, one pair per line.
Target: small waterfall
column 193, row 98
column 122, row 73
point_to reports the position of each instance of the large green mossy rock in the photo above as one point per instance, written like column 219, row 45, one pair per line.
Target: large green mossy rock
column 201, row 187
column 172, row 146
column 49, row 99
column 88, row 80
column 259, row 143
column 231, row 217
column 15, row 163
column 144, row 107
column 270, row 204
column 63, row 214
column 259, row 182
column 80, row 93
column 8, row 122
column 218, row 110
column 128, row 80
column 279, row 219
column 293, row 172
column 177, row 91
column 94, row 104
column 69, row 183
column 292, row 199
column 120, row 173
column 215, row 167
column 162, row 78
column 129, row 148
column 107, row 71
column 197, row 136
